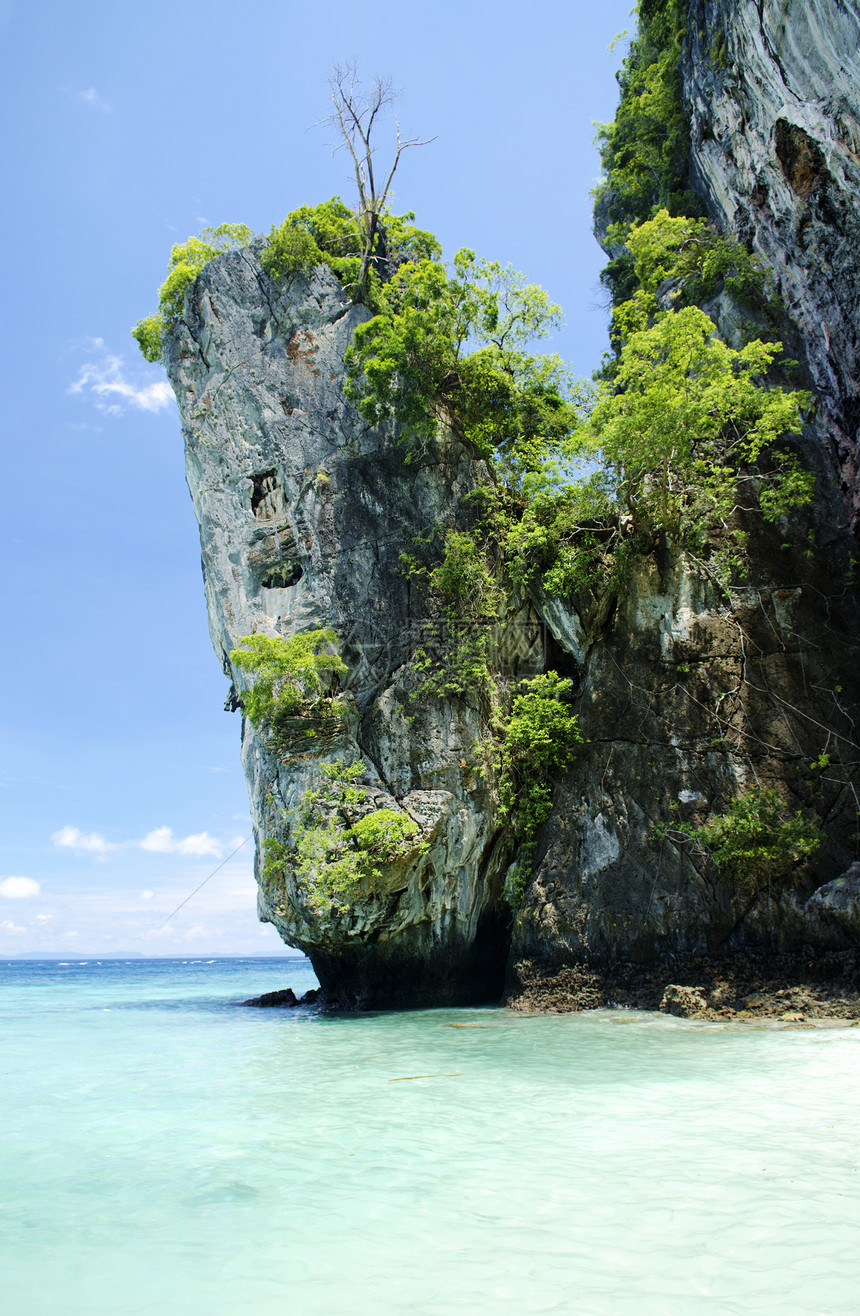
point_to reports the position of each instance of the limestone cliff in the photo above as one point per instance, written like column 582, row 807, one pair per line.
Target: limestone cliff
column 686, row 700
column 684, row 697
column 303, row 514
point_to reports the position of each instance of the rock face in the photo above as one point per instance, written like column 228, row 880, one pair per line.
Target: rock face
column 303, row 514
column 774, row 109
column 684, row 699
column 685, row 703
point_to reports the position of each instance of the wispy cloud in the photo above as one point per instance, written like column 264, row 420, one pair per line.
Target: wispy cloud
column 159, row 841
column 89, row 96
column 105, row 380
column 19, row 888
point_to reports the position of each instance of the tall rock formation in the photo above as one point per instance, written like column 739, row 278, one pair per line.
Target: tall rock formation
column 303, row 515
column 686, row 699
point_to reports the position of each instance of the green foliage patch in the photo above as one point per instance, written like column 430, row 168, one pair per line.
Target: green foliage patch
column 454, row 346
column 332, row 234
column 755, row 843
column 187, row 259
column 541, row 737
column 341, row 849
column 291, row 682
column 684, row 427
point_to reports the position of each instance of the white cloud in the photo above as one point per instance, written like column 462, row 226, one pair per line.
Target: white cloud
column 159, row 841
column 71, row 838
column 8, row 926
column 19, row 888
column 104, row 381
column 44, row 918
column 147, row 895
column 90, row 97
column 105, row 910
column 162, row 841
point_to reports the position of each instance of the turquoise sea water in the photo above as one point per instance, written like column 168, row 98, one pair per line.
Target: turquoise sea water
column 166, row 1151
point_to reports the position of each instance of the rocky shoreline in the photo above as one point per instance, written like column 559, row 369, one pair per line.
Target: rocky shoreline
column 745, row 987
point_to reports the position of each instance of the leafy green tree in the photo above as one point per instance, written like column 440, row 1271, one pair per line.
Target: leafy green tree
column 413, row 359
column 187, row 259
column 686, row 423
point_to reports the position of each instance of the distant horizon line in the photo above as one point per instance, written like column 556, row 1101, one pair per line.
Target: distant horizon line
column 141, row 955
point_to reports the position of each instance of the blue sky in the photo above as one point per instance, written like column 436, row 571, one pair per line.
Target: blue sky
column 133, row 126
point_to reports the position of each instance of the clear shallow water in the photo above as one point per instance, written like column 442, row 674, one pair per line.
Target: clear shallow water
column 165, row 1151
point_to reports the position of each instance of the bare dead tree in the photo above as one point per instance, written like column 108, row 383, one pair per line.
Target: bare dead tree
column 356, row 115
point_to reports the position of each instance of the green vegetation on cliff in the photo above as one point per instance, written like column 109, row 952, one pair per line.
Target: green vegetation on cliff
column 186, row 261
column 331, row 234
column 455, row 346
column 645, row 150
column 341, row 847
column 756, row 842
column 290, row 692
column 541, row 737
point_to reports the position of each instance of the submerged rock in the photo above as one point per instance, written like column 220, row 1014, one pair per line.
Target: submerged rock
column 283, row 997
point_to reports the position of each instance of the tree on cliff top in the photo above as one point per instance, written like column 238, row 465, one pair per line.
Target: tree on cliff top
column 356, row 114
